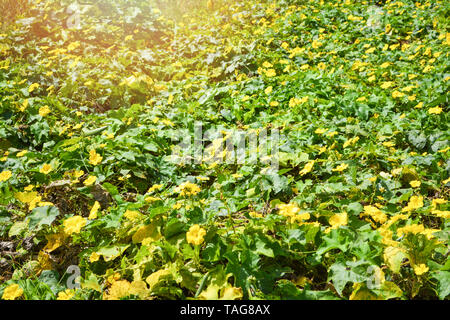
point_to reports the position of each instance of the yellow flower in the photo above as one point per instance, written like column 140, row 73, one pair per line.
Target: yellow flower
column 271, row 73
column 274, row 103
column 255, row 214
column 94, row 210
column 321, row 66
column 376, row 214
column 304, row 67
column 388, row 144
column 151, row 199
column 122, row 288
column 350, row 142
column 124, row 177
column 420, row 269
column 387, row 84
column 388, row 28
column 427, row 69
column 32, row 87
column 187, row 188
column 408, row 88
column 195, row 235
column 78, row 173
column 415, row 202
column 22, row 153
column 444, row 150
column 66, row 295
column 90, row 180
column 44, row 203
column 320, row 130
column 177, row 206
column 316, row 44
column 268, row 90
column 429, row 232
column 412, row 228
column 337, row 220
column 288, row 210
column 397, row 94
column 46, row 168
column 94, row 257
column 131, row 214
column 436, row 110
column 74, row 224
column 119, row 289
column 415, row 183
column 24, row 105
column 370, row 50
column 437, row 201
column 300, row 218
column 441, row 214
column 26, row 197
column 307, row 168
column 5, row 175
column 94, row 157
column 361, row 99
column 12, row 292
column 54, row 241
column 113, row 278
column 295, row 101
column 43, row 111
column 396, row 218
column 73, row 45
column 341, row 167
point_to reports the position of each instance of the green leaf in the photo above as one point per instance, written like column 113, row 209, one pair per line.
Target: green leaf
column 42, row 216
column 263, row 246
column 91, row 282
column 336, row 239
column 354, row 208
column 389, row 290
column 51, row 278
column 173, row 227
column 342, row 273
column 18, row 228
column 443, row 288
column 417, row 139
column 111, row 252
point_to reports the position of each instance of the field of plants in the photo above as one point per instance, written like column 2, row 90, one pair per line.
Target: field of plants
column 108, row 191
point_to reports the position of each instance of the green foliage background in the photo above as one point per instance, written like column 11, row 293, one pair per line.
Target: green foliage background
column 359, row 87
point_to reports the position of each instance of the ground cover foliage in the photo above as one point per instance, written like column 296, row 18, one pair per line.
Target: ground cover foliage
column 93, row 97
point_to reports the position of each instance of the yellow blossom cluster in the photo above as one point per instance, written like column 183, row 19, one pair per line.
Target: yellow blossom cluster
column 195, row 235
column 187, row 189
